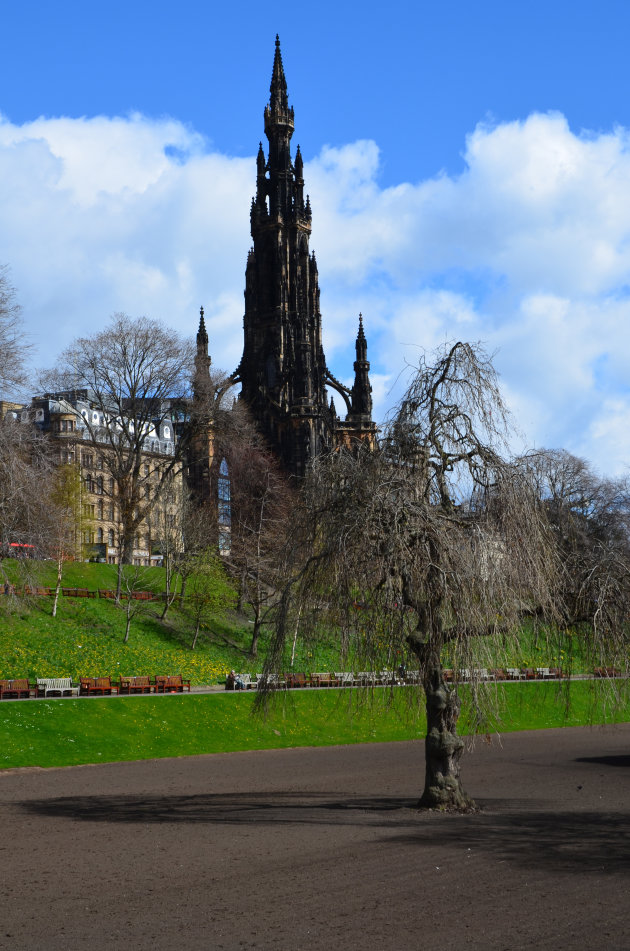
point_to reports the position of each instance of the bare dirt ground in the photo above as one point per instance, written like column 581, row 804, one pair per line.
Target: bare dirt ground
column 322, row 848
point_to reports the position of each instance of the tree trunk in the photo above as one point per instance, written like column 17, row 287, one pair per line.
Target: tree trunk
column 194, row 643
column 443, row 747
column 118, row 580
column 253, row 650
column 58, row 584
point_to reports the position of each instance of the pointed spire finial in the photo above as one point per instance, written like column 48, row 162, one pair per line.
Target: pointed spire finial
column 278, row 87
column 361, row 343
column 202, row 334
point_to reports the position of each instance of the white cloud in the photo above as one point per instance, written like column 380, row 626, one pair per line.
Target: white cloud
column 528, row 250
column 103, row 215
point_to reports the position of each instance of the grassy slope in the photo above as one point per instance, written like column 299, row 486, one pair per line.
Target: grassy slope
column 68, row 732
column 85, row 639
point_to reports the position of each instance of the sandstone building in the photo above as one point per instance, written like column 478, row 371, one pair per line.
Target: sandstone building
column 72, row 422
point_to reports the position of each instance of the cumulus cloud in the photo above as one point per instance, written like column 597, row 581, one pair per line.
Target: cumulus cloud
column 528, row 250
column 103, row 215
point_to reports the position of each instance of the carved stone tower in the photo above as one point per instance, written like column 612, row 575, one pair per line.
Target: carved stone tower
column 283, row 369
column 201, row 450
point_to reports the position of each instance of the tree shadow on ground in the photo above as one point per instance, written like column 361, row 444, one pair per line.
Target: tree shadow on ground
column 531, row 834
column 546, row 840
column 619, row 760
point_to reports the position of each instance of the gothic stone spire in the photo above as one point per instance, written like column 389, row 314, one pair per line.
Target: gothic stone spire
column 283, row 368
column 361, row 391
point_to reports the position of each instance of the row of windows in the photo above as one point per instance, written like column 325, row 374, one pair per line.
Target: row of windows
column 95, row 485
column 99, row 511
column 100, row 536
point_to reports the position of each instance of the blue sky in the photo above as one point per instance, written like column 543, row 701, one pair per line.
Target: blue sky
column 467, row 162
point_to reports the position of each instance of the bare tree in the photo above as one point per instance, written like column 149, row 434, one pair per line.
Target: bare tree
column 24, row 483
column 436, row 536
column 136, row 376
column 132, row 581
column 13, row 344
column 66, row 522
column 261, row 503
column 590, row 517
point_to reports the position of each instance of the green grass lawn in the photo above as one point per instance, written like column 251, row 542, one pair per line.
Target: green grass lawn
column 68, row 732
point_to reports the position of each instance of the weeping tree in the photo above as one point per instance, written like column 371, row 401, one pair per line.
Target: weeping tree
column 426, row 547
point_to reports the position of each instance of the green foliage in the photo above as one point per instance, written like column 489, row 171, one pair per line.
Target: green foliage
column 209, row 592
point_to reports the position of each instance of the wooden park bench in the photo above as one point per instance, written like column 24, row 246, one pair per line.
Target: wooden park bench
column 323, row 679
column 365, row 678
column 344, row 678
column 244, row 679
column 172, row 684
column 388, row 678
column 78, row 593
column 89, row 686
column 53, row 686
column 413, row 676
column 129, row 685
column 270, row 682
column 16, row 689
column 297, row 680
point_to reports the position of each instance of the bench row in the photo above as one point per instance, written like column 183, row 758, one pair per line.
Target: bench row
column 386, row 677
column 18, row 689
column 34, row 591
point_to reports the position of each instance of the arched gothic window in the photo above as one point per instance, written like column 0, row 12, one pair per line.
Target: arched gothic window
column 224, row 509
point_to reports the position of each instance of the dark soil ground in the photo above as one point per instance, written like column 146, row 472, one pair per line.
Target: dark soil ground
column 322, row 848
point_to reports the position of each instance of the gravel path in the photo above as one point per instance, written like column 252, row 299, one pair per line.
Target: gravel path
column 311, row 849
